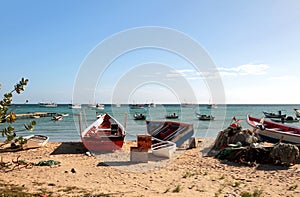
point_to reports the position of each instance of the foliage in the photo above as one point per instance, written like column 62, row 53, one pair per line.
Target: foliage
column 8, row 117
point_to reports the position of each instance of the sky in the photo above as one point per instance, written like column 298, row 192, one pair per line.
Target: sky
column 254, row 47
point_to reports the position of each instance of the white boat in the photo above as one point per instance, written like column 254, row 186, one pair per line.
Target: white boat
column 297, row 111
column 163, row 149
column 56, row 118
column 75, row 106
column 97, row 106
column 36, row 141
column 42, row 104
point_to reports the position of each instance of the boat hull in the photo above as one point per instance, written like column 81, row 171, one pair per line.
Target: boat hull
column 170, row 131
column 103, row 143
column 163, row 149
column 274, row 132
column 105, row 134
column 36, row 141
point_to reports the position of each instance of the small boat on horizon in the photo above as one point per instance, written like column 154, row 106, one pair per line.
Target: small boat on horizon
column 74, row 106
column 43, row 104
column 105, row 134
column 274, row 132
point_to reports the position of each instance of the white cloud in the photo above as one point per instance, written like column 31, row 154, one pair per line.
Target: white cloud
column 246, row 69
column 283, row 77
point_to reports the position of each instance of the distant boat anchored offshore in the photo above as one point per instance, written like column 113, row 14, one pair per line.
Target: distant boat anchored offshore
column 43, row 104
column 75, row 106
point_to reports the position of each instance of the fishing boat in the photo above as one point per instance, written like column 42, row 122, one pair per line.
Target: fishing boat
column 136, row 106
column 74, row 106
column 274, row 115
column 42, row 104
column 163, row 149
column 204, row 117
column 176, row 132
column 288, row 119
column 274, row 132
column 56, row 118
column 105, row 134
column 171, row 116
column 212, row 106
column 297, row 111
column 36, row 141
column 137, row 116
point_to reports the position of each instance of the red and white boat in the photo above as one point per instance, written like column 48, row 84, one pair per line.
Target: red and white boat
column 105, row 134
column 273, row 132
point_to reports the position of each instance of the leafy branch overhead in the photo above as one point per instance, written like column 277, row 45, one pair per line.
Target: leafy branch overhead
column 9, row 117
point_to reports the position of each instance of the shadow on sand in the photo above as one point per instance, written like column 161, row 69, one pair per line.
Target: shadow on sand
column 70, row 148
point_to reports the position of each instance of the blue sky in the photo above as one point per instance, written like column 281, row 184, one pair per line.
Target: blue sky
column 255, row 46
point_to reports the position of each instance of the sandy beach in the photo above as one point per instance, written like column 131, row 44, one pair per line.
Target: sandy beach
column 188, row 174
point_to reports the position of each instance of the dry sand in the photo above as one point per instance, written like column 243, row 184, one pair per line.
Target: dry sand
column 187, row 174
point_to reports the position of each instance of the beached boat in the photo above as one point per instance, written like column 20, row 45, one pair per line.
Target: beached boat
column 297, row 111
column 56, row 118
column 288, row 119
column 274, row 115
column 42, row 104
column 171, row 116
column 204, row 117
column 176, row 132
column 163, row 149
column 36, row 141
column 274, row 132
column 105, row 134
column 137, row 116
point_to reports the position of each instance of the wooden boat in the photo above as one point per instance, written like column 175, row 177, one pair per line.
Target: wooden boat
column 35, row 141
column 288, row 119
column 176, row 132
column 273, row 115
column 163, row 149
column 204, row 117
column 137, row 116
column 297, row 111
column 273, row 132
column 171, row 116
column 56, row 118
column 105, row 134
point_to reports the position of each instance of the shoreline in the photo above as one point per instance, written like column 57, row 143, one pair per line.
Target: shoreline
column 189, row 174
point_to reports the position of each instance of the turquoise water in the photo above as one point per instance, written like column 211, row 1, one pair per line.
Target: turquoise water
column 68, row 129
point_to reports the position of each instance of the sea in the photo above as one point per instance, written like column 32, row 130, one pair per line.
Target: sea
column 68, row 129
